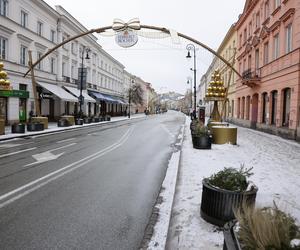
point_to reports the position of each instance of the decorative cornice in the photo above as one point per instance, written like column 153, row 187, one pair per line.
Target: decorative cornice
column 41, row 46
column 285, row 1
column 287, row 14
column 274, row 26
column 264, row 32
column 24, row 38
column 6, row 30
column 276, row 10
column 255, row 41
column 266, row 21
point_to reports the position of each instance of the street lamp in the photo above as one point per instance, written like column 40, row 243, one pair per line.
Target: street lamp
column 81, row 97
column 191, row 47
column 189, row 81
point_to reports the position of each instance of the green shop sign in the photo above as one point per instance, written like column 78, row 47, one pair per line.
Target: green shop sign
column 14, row 93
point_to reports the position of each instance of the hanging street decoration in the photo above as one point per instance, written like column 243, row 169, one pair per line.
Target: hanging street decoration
column 125, row 35
column 4, row 82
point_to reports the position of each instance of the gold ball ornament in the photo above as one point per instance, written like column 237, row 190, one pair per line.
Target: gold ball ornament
column 2, row 81
column 7, row 82
column 3, row 74
column 1, row 65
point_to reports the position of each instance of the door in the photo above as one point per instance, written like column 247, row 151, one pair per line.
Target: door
column 254, row 111
column 51, row 109
column 22, row 109
column 3, row 109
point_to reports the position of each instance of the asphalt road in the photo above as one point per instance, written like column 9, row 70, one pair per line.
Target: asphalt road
column 92, row 188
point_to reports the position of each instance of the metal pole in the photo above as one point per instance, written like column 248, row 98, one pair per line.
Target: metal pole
column 191, row 94
column 81, row 82
column 129, row 100
column 194, row 82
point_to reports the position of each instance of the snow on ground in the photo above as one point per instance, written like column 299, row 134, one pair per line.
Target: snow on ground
column 276, row 167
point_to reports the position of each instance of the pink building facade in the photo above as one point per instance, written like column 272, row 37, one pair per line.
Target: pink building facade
column 268, row 96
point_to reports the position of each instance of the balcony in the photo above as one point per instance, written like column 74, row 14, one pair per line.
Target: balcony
column 251, row 77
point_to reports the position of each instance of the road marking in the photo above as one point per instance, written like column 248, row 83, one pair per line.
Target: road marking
column 9, row 145
column 66, row 146
column 47, row 156
column 70, row 139
column 17, row 152
column 61, row 172
column 167, row 130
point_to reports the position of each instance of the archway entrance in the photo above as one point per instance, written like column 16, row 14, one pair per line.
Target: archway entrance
column 119, row 26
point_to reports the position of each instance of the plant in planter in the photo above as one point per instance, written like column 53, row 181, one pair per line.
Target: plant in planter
column 263, row 228
column 225, row 191
column 201, row 137
column 18, row 128
column 35, row 126
column 107, row 117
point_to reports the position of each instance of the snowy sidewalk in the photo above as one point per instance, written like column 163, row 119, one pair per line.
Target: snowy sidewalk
column 276, row 167
column 53, row 128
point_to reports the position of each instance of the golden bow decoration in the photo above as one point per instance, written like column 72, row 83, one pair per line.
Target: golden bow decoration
column 120, row 25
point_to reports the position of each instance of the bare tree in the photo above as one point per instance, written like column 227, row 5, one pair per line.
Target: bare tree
column 135, row 94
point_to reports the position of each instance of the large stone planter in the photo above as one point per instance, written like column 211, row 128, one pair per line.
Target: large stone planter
column 2, row 126
column 202, row 141
column 63, row 123
column 35, row 126
column 69, row 118
column 18, row 128
column 217, row 205
column 223, row 135
column 95, row 119
column 40, row 119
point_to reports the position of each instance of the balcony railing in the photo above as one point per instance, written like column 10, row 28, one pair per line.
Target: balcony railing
column 251, row 77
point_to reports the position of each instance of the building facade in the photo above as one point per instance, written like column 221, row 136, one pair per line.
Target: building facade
column 35, row 26
column 268, row 95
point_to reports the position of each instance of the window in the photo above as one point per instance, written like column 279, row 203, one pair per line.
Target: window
column 245, row 35
column 277, row 3
column 52, row 65
column 288, row 32
column 257, row 59
column 63, row 69
column 23, row 55
column 72, row 71
column 274, row 107
column 24, row 19
column 52, row 36
column 276, row 46
column 286, row 107
column 257, row 19
column 250, row 29
column 267, row 9
column 40, row 28
column 3, row 48
column 3, row 7
column 266, row 53
column 22, row 86
column 39, row 55
column 264, row 107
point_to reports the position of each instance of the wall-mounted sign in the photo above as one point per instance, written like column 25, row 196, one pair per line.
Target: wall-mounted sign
column 126, row 38
column 14, row 93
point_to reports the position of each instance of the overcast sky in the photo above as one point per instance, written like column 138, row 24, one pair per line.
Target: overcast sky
column 159, row 61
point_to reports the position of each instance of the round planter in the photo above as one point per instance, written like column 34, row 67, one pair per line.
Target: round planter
column 36, row 126
column 87, row 120
column 63, row 123
column 78, row 121
column 201, row 142
column 217, row 204
column 102, row 119
column 107, row 118
column 96, row 119
column 18, row 128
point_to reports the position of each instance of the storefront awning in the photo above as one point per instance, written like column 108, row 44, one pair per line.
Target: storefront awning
column 76, row 92
column 102, row 97
column 59, row 92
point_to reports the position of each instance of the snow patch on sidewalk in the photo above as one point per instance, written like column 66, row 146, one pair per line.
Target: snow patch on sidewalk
column 276, row 167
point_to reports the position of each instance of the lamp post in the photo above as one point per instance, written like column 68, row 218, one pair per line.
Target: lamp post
column 192, row 47
column 189, row 81
column 81, row 97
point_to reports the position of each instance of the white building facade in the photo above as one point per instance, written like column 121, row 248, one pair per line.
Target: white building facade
column 34, row 26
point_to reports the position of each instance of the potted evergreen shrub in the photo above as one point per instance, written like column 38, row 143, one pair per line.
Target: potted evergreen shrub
column 225, row 191
column 201, row 137
column 35, row 126
column 18, row 128
column 262, row 228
